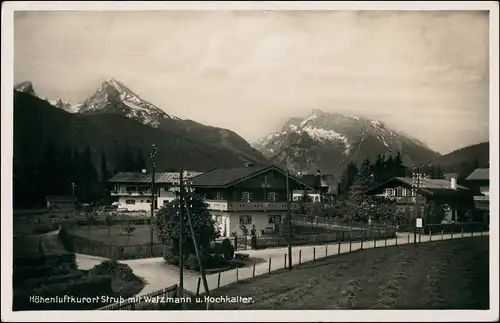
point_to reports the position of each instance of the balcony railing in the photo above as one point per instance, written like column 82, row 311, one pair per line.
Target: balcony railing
column 221, row 205
column 130, row 193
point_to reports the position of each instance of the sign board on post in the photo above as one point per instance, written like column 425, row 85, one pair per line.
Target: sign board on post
column 419, row 222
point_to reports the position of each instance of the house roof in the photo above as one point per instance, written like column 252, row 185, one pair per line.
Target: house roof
column 431, row 183
column 479, row 174
column 430, row 186
column 224, row 177
column 327, row 180
column 166, row 177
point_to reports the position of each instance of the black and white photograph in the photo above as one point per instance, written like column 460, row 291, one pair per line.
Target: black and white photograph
column 298, row 161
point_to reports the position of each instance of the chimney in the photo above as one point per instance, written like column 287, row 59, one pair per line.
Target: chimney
column 144, row 171
column 247, row 165
column 453, row 183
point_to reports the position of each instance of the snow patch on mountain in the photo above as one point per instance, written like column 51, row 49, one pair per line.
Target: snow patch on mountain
column 327, row 135
column 113, row 96
column 25, row 87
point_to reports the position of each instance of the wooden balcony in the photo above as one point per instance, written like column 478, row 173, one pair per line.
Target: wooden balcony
column 130, row 193
column 221, row 205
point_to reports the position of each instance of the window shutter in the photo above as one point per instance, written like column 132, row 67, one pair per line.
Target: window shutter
column 249, row 196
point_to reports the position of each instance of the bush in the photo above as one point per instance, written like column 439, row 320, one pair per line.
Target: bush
column 227, row 249
column 192, row 262
column 218, row 260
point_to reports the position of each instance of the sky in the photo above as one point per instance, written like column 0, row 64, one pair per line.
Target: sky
column 422, row 72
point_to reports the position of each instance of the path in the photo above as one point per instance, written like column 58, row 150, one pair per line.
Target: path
column 159, row 275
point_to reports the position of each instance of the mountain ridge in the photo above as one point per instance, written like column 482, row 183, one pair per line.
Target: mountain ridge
column 113, row 97
column 328, row 141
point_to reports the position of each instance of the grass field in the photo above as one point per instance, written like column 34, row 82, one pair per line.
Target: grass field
column 434, row 275
column 140, row 236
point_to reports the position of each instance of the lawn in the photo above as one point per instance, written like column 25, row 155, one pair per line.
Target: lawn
column 140, row 236
column 434, row 275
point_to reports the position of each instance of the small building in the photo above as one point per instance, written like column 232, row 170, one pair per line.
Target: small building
column 479, row 183
column 455, row 199
column 133, row 190
column 241, row 198
column 324, row 187
column 66, row 203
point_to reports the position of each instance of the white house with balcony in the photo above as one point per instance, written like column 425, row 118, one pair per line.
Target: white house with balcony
column 133, row 190
column 241, row 198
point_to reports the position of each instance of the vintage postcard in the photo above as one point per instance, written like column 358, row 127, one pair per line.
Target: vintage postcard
column 250, row 161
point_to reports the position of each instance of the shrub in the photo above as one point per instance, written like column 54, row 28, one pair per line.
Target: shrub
column 218, row 260
column 227, row 249
column 192, row 262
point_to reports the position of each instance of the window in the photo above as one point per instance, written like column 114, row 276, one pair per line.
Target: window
column 245, row 196
column 272, row 196
column 219, row 196
column 404, row 192
column 245, row 219
column 390, row 192
column 272, row 219
column 130, row 202
column 218, row 219
column 148, row 201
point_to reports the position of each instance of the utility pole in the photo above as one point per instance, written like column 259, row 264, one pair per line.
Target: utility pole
column 181, row 232
column 289, row 216
column 417, row 177
column 193, row 236
column 153, row 163
column 73, row 198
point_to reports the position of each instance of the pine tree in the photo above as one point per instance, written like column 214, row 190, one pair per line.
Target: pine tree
column 87, row 178
column 104, row 178
column 389, row 168
column 379, row 169
column 140, row 163
column 399, row 167
column 104, row 169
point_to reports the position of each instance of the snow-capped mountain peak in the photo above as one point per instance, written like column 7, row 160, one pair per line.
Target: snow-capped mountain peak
column 25, row 87
column 113, row 96
column 330, row 140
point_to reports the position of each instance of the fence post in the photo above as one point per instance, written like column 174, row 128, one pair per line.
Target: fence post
column 452, row 232
column 442, row 234
column 235, row 242
column 472, row 233
column 338, row 251
column 462, row 232
column 218, row 280
column 285, row 261
column 396, row 238
column 430, row 234
column 237, row 278
column 326, row 250
column 408, row 238
column 362, row 239
column 198, row 287
column 385, row 244
column 314, row 253
column 269, row 264
column 350, row 244
column 481, row 232
column 300, row 256
column 374, row 241
column 420, row 237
